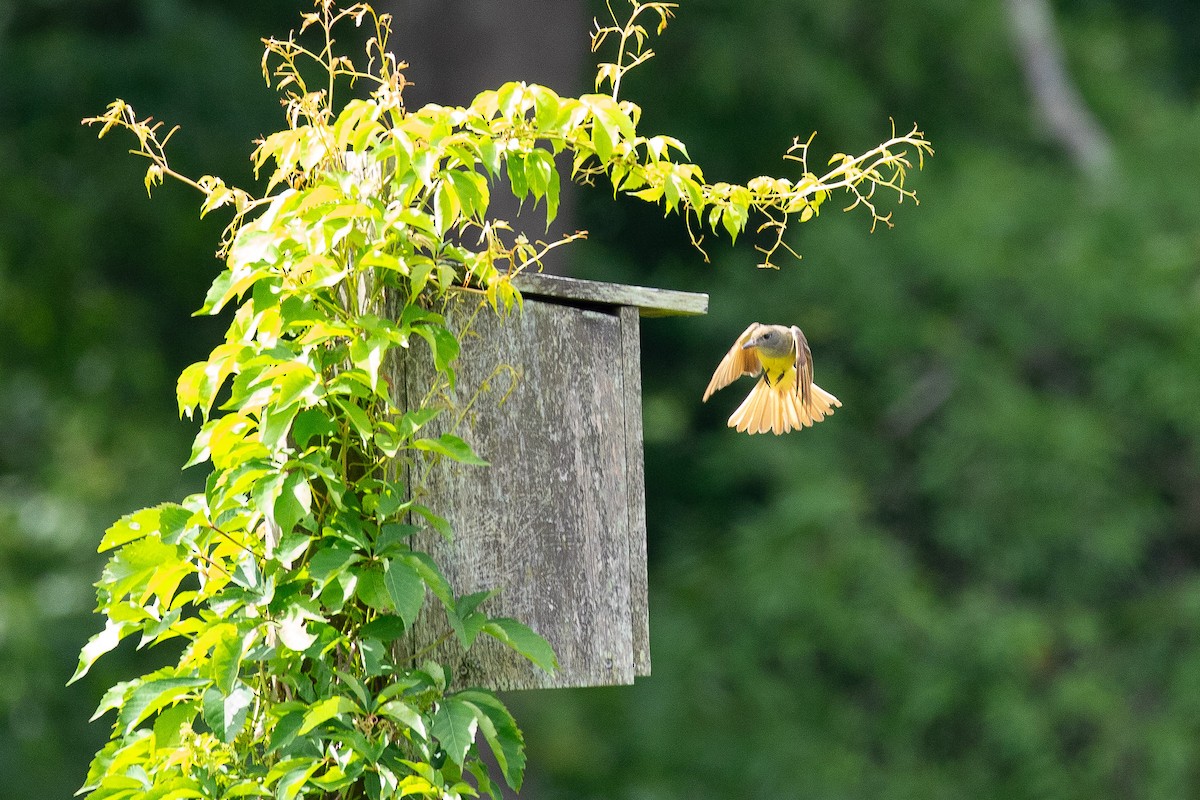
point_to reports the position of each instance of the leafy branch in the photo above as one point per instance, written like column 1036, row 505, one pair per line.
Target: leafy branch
column 631, row 41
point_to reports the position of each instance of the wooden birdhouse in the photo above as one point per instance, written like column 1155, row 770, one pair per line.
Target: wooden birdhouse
column 551, row 397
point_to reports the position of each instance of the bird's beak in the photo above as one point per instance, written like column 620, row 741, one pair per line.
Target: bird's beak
column 749, row 344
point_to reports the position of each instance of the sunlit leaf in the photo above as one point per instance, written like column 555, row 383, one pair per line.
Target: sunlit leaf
column 149, row 697
column 226, row 713
column 406, row 715
column 100, row 644
column 325, row 710
column 293, row 631
column 454, row 725
column 167, row 725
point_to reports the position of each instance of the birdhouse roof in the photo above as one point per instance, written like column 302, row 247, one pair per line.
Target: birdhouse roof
column 648, row 301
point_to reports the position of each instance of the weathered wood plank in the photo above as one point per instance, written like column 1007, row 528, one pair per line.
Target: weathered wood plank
column 552, row 523
column 639, row 596
column 649, row 302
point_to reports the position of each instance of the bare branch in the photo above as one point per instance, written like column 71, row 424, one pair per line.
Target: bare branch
column 1057, row 99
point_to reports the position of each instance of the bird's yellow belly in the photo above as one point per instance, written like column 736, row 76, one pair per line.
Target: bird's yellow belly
column 777, row 370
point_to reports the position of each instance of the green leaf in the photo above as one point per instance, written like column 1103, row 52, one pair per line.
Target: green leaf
column 100, row 644
column 197, row 389
column 356, row 124
column 327, row 562
column 393, row 537
column 133, row 568
column 553, row 192
column 483, row 780
column 361, row 693
column 169, row 722
column 443, row 344
column 291, row 547
column 248, row 575
column 603, row 137
column 467, row 627
column 293, row 780
column 432, row 576
column 309, row 423
column 285, row 730
column 112, row 699
column 517, row 179
column 225, row 714
column 129, row 528
column 543, row 180
column 405, row 588
column 173, row 520
column 218, row 293
column 468, row 603
column 377, row 658
column 367, row 353
column 370, row 588
column 465, row 620
column 437, row 522
column 734, row 219
column 325, row 710
column 230, row 441
column 501, row 733
column 548, row 106
column 227, row 659
column 651, row 194
column 386, row 501
column 153, row 695
column 472, row 191
column 294, row 382
column 524, row 640
column 413, row 420
column 277, row 424
column 446, row 206
column 357, row 417
column 451, row 446
column 454, row 726
column 423, row 163
column 406, row 715
column 386, row 628
column 244, row 787
column 490, row 153
column 233, row 283
column 293, row 503
column 509, row 99
column 538, row 168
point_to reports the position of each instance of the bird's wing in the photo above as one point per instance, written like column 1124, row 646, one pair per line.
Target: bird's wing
column 803, row 363
column 736, row 363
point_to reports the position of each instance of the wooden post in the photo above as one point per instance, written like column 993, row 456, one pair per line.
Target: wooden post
column 551, row 397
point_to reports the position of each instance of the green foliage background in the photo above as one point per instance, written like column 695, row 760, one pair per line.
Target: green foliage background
column 978, row 579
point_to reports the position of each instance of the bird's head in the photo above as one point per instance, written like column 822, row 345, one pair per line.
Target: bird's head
column 773, row 341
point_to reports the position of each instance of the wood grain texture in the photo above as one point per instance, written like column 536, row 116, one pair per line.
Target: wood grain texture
column 639, row 594
column 648, row 301
column 551, row 398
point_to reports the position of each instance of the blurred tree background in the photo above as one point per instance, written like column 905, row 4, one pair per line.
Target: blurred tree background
column 981, row 578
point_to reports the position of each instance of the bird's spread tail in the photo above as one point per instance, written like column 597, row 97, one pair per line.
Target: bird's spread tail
column 779, row 409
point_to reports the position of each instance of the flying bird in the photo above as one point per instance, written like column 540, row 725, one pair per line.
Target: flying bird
column 785, row 397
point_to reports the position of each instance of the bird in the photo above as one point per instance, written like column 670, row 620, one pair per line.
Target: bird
column 785, row 397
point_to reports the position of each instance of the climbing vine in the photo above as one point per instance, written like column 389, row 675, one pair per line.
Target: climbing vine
column 292, row 581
